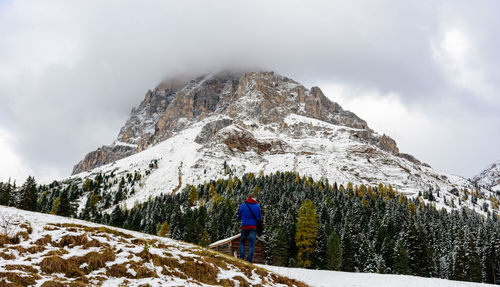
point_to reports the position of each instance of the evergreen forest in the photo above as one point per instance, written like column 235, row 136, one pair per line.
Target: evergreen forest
column 307, row 223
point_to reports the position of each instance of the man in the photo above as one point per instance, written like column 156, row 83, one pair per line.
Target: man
column 248, row 225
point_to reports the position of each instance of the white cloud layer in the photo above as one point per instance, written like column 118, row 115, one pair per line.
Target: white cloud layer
column 70, row 71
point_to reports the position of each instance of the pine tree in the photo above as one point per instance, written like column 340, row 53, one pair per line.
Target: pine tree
column 401, row 260
column 419, row 253
column 307, row 232
column 29, row 196
column 460, row 259
column 334, row 252
column 5, row 193
column 474, row 273
column 277, row 246
column 65, row 208
column 117, row 217
column 387, row 252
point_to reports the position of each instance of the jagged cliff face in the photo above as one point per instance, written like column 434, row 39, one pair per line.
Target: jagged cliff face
column 490, row 177
column 263, row 98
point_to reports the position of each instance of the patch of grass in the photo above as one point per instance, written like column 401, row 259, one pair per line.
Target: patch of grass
column 45, row 240
column 142, row 271
column 242, row 281
column 16, row 279
column 7, row 256
column 164, row 246
column 144, row 254
column 56, row 252
column 50, row 227
column 118, row 270
column 72, row 240
column 55, row 264
column 200, row 271
column 52, row 283
column 95, row 243
column 4, row 239
column 139, row 241
column 36, row 249
column 287, row 281
column 24, row 268
column 112, row 231
column 101, row 229
column 97, row 260
column 52, row 264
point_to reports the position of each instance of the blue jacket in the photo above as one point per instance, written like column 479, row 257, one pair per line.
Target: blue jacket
column 247, row 221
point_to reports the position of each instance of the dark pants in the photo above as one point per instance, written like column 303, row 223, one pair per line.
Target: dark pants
column 251, row 234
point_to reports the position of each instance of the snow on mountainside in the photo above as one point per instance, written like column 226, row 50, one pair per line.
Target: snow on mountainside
column 490, row 177
column 227, row 125
column 47, row 250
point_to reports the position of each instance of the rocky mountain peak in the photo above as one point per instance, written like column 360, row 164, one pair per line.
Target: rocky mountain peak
column 490, row 177
column 261, row 98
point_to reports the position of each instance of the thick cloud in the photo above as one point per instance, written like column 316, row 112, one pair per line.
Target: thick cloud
column 70, row 71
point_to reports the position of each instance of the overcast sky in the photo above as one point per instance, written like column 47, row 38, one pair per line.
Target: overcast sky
column 427, row 73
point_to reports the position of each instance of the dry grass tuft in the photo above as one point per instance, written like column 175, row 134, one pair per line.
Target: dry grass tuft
column 242, row 281
column 7, row 256
column 95, row 243
column 27, row 226
column 200, row 271
column 19, row 249
column 287, row 281
column 72, row 240
column 45, row 240
column 24, row 268
column 101, row 229
column 96, row 260
column 55, row 264
column 108, row 254
column 144, row 254
column 144, row 272
column 16, row 279
column 164, row 246
column 112, row 231
column 53, row 283
column 4, row 239
column 50, row 227
column 35, row 249
column 57, row 252
column 139, row 241
column 118, row 270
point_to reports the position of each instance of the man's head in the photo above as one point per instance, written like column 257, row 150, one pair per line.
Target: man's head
column 250, row 195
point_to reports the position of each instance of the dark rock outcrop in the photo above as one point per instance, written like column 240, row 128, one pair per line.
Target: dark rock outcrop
column 210, row 129
column 105, row 154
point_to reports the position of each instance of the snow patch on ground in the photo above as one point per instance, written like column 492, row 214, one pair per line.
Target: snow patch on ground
column 325, row 278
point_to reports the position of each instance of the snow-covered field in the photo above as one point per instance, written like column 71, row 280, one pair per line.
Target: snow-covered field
column 323, row 278
column 46, row 250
